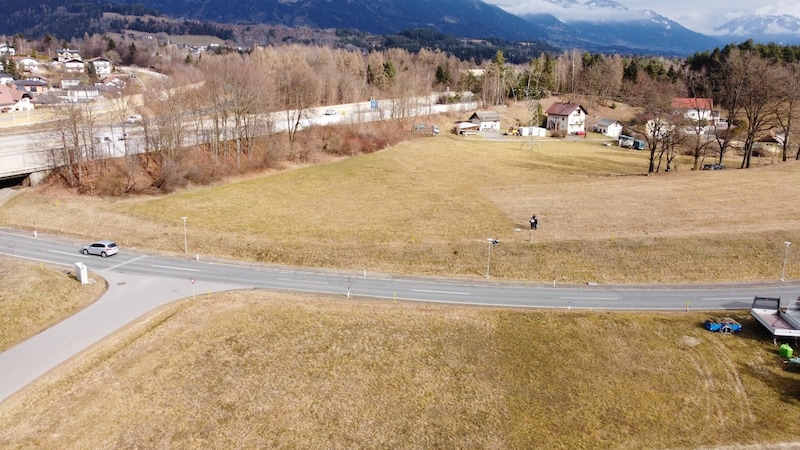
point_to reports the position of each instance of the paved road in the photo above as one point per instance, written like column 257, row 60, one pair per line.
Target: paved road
column 139, row 283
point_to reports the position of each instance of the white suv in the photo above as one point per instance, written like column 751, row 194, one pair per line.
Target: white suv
column 102, row 248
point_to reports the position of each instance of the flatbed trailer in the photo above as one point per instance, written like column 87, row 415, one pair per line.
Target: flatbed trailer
column 781, row 322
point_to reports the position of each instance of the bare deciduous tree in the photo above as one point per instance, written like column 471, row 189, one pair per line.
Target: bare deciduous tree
column 76, row 133
column 656, row 123
column 298, row 90
column 789, row 90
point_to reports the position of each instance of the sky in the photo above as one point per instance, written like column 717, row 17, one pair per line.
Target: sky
column 701, row 16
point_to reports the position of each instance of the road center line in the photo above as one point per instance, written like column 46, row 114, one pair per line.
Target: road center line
column 440, row 292
column 303, row 281
column 175, row 268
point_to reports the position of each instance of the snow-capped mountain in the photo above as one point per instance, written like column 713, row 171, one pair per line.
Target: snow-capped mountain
column 564, row 3
column 782, row 29
column 609, row 27
column 605, row 5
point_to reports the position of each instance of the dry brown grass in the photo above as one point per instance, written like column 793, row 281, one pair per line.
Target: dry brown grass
column 427, row 207
column 269, row 370
column 34, row 297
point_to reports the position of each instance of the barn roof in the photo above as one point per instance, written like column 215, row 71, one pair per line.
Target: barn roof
column 486, row 116
column 607, row 122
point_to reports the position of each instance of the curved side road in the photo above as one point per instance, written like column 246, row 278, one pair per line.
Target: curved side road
column 139, row 283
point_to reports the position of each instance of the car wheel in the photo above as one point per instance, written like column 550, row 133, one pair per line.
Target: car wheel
column 103, row 254
column 85, row 252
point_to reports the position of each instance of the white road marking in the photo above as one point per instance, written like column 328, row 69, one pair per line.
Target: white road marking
column 440, row 292
column 303, row 281
column 176, row 268
column 126, row 263
column 589, row 298
column 37, row 259
column 79, row 254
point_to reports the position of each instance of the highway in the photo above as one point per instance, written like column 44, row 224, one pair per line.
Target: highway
column 139, row 283
column 29, row 151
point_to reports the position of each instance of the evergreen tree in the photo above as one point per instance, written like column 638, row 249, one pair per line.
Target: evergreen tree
column 388, row 70
column 442, row 76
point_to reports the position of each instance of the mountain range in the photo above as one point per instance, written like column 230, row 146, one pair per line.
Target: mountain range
column 609, row 26
column 781, row 29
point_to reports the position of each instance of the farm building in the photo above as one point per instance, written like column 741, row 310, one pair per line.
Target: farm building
column 608, row 127
column 768, row 145
column 486, row 120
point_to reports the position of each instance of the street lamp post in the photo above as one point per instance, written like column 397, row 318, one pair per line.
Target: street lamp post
column 492, row 243
column 785, row 254
column 185, row 239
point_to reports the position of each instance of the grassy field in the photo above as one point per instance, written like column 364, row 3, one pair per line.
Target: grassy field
column 33, row 297
column 428, row 206
column 270, row 370
column 276, row 370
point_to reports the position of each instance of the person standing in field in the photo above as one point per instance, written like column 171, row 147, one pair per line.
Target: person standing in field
column 534, row 222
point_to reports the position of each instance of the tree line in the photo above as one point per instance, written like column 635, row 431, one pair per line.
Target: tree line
column 233, row 99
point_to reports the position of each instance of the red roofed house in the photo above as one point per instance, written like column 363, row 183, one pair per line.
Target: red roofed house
column 567, row 116
column 13, row 99
column 693, row 108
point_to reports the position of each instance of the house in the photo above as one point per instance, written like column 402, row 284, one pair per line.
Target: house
column 768, row 145
column 477, row 73
column 13, row 99
column 658, row 128
column 33, row 86
column 486, row 120
column 101, row 66
column 73, row 66
column 567, row 116
column 6, row 49
column 37, row 78
column 66, row 54
column 113, row 81
column 27, row 64
column 80, row 94
column 608, row 127
column 693, row 108
column 70, row 83
column 6, row 78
